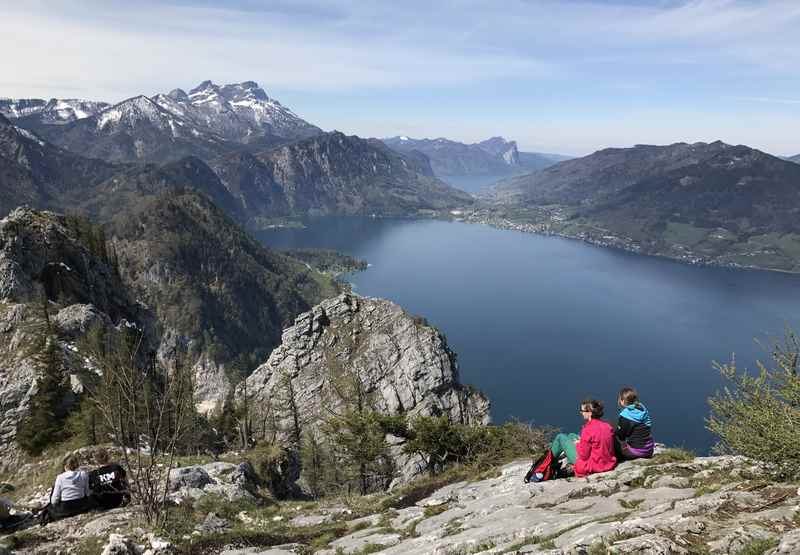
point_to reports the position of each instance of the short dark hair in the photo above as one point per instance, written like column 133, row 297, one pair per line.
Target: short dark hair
column 101, row 456
column 628, row 396
column 595, row 406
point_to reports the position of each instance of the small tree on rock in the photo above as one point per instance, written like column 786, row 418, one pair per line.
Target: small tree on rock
column 758, row 415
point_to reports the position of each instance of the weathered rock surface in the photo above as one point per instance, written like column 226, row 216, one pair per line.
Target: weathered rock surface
column 403, row 366
column 606, row 513
column 403, row 362
column 728, row 507
column 233, row 482
column 42, row 258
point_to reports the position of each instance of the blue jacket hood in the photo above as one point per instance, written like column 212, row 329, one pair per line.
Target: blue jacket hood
column 637, row 413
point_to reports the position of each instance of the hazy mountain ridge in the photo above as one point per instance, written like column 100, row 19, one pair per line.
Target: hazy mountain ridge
column 492, row 157
column 56, row 111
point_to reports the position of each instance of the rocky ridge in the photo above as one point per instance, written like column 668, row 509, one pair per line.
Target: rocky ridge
column 56, row 111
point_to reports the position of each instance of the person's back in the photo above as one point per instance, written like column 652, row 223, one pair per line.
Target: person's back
column 634, row 437
column 70, row 486
column 108, row 482
column 70, row 495
column 108, row 485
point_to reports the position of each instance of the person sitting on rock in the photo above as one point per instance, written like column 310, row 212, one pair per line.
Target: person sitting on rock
column 70, row 495
column 633, row 438
column 108, row 482
column 593, row 451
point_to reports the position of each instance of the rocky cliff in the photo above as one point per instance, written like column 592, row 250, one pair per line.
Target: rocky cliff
column 44, row 261
column 400, row 364
column 399, row 358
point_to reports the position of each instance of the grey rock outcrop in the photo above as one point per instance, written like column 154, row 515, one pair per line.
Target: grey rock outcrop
column 405, row 363
column 42, row 260
column 233, row 482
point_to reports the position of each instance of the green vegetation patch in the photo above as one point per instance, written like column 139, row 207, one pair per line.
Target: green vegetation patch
column 685, row 234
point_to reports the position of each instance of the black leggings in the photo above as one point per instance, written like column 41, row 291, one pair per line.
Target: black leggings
column 66, row 509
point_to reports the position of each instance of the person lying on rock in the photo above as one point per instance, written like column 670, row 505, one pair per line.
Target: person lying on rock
column 633, row 438
column 70, row 495
column 108, row 482
column 593, row 451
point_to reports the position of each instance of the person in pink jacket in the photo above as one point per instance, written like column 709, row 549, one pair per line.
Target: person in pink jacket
column 593, row 451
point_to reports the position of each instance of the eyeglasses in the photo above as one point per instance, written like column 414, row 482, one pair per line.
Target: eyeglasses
column 584, row 410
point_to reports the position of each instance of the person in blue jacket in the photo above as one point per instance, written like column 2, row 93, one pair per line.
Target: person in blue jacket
column 634, row 435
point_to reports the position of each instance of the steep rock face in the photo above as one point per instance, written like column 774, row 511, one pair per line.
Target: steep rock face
column 42, row 258
column 404, row 363
column 337, row 174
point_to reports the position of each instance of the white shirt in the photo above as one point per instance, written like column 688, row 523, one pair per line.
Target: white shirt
column 70, row 485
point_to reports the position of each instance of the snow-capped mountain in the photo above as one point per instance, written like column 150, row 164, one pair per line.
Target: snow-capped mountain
column 239, row 111
column 56, row 111
column 208, row 121
column 137, row 129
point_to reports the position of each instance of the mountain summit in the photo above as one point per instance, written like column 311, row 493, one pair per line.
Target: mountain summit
column 237, row 111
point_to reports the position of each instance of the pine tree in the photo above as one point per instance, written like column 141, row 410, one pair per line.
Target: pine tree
column 43, row 425
column 357, row 432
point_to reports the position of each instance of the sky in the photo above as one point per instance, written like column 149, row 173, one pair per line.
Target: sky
column 568, row 76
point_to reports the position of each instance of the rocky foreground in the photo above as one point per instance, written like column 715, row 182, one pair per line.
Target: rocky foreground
column 700, row 505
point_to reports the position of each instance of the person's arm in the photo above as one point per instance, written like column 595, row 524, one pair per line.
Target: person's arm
column 55, row 495
column 583, row 446
column 624, row 428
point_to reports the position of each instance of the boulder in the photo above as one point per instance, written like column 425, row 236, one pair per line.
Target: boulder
column 213, row 524
column 188, row 477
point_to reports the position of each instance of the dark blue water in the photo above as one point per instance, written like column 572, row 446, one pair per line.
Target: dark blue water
column 540, row 322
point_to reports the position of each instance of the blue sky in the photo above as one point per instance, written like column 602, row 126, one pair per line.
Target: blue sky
column 559, row 76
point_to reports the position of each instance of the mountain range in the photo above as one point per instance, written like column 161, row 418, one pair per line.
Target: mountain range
column 492, row 157
column 701, row 202
column 208, row 121
column 327, row 173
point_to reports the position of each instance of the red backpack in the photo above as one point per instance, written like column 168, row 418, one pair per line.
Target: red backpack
column 546, row 467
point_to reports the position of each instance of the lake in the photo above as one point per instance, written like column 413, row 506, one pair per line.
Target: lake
column 540, row 322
